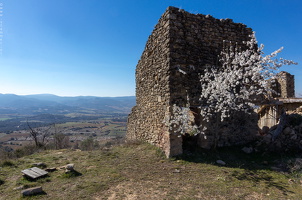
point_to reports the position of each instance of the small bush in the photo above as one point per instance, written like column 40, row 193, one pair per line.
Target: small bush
column 113, row 142
column 61, row 141
column 6, row 153
column 1, row 182
column 25, row 151
column 7, row 163
column 89, row 144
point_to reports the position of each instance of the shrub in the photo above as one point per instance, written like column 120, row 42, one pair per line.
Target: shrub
column 89, row 144
column 25, row 151
column 7, row 163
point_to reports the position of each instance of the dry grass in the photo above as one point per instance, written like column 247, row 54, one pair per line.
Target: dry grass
column 140, row 171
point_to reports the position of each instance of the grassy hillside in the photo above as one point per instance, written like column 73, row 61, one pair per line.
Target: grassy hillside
column 140, row 171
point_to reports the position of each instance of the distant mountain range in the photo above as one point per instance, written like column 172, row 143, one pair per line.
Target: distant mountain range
column 48, row 103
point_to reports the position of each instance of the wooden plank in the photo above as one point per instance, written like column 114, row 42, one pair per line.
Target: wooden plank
column 40, row 171
column 34, row 172
column 30, row 173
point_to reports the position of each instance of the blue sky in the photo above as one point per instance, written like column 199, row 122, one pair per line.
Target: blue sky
column 91, row 47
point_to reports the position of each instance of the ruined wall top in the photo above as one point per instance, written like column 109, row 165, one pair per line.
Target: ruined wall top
column 196, row 40
column 201, row 36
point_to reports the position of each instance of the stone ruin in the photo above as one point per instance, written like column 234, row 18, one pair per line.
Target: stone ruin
column 181, row 42
column 284, row 94
column 270, row 115
column 186, row 42
column 284, row 85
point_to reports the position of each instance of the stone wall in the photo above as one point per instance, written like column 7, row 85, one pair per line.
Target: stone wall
column 196, row 41
column 152, row 88
column 287, row 85
column 179, row 47
column 283, row 85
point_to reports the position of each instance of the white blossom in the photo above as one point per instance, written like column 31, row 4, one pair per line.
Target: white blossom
column 233, row 86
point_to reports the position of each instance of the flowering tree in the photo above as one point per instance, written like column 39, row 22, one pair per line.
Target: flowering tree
column 234, row 86
column 239, row 82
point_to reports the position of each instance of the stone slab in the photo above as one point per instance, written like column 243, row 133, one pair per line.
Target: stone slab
column 32, row 191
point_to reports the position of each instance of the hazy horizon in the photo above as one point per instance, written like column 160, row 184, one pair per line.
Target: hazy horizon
column 64, row 96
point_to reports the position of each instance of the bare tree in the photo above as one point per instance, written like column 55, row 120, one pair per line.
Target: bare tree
column 61, row 141
column 39, row 135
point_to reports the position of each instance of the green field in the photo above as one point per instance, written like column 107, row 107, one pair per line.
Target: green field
column 4, row 118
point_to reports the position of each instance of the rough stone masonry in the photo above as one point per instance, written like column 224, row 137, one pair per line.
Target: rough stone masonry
column 180, row 42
